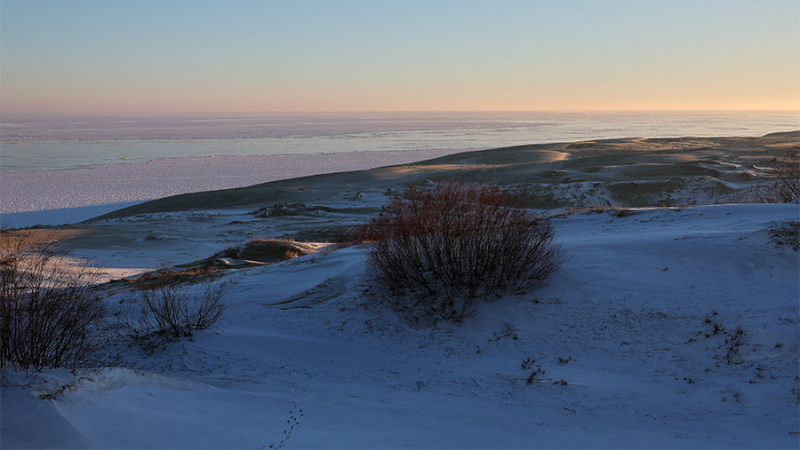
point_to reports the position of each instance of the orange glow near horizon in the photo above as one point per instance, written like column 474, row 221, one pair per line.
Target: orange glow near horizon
column 166, row 100
column 616, row 55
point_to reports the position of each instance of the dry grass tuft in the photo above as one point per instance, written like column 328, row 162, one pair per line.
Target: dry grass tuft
column 170, row 275
column 271, row 250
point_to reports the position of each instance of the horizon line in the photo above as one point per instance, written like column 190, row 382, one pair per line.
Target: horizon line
column 61, row 113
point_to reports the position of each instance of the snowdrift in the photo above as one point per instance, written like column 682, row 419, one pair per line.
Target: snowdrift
column 667, row 328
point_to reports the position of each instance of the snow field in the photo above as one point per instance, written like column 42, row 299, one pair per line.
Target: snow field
column 618, row 351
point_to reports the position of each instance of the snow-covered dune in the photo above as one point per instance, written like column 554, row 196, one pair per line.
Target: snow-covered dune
column 666, row 328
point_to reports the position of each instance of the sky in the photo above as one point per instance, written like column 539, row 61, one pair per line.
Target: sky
column 390, row 55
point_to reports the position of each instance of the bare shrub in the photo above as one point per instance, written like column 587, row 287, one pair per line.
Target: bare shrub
column 786, row 185
column 173, row 310
column 437, row 251
column 787, row 169
column 50, row 313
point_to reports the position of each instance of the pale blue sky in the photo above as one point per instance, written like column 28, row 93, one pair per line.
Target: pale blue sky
column 382, row 55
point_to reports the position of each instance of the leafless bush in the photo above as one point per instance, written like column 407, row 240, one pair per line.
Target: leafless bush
column 786, row 185
column 173, row 310
column 50, row 313
column 787, row 169
column 436, row 251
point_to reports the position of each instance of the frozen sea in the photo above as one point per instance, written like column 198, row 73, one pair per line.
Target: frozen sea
column 63, row 169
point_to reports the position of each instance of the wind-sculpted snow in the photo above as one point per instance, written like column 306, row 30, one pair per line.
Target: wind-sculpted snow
column 667, row 327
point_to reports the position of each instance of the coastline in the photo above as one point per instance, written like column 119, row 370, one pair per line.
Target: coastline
column 69, row 196
column 34, row 144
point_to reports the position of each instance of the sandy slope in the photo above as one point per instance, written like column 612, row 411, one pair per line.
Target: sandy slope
column 667, row 327
column 629, row 172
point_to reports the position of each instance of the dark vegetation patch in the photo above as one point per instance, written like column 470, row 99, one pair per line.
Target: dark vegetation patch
column 580, row 145
column 435, row 252
column 172, row 275
column 50, row 316
column 255, row 252
column 654, row 193
column 291, row 209
column 785, row 234
column 614, row 210
column 271, row 250
column 553, row 173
